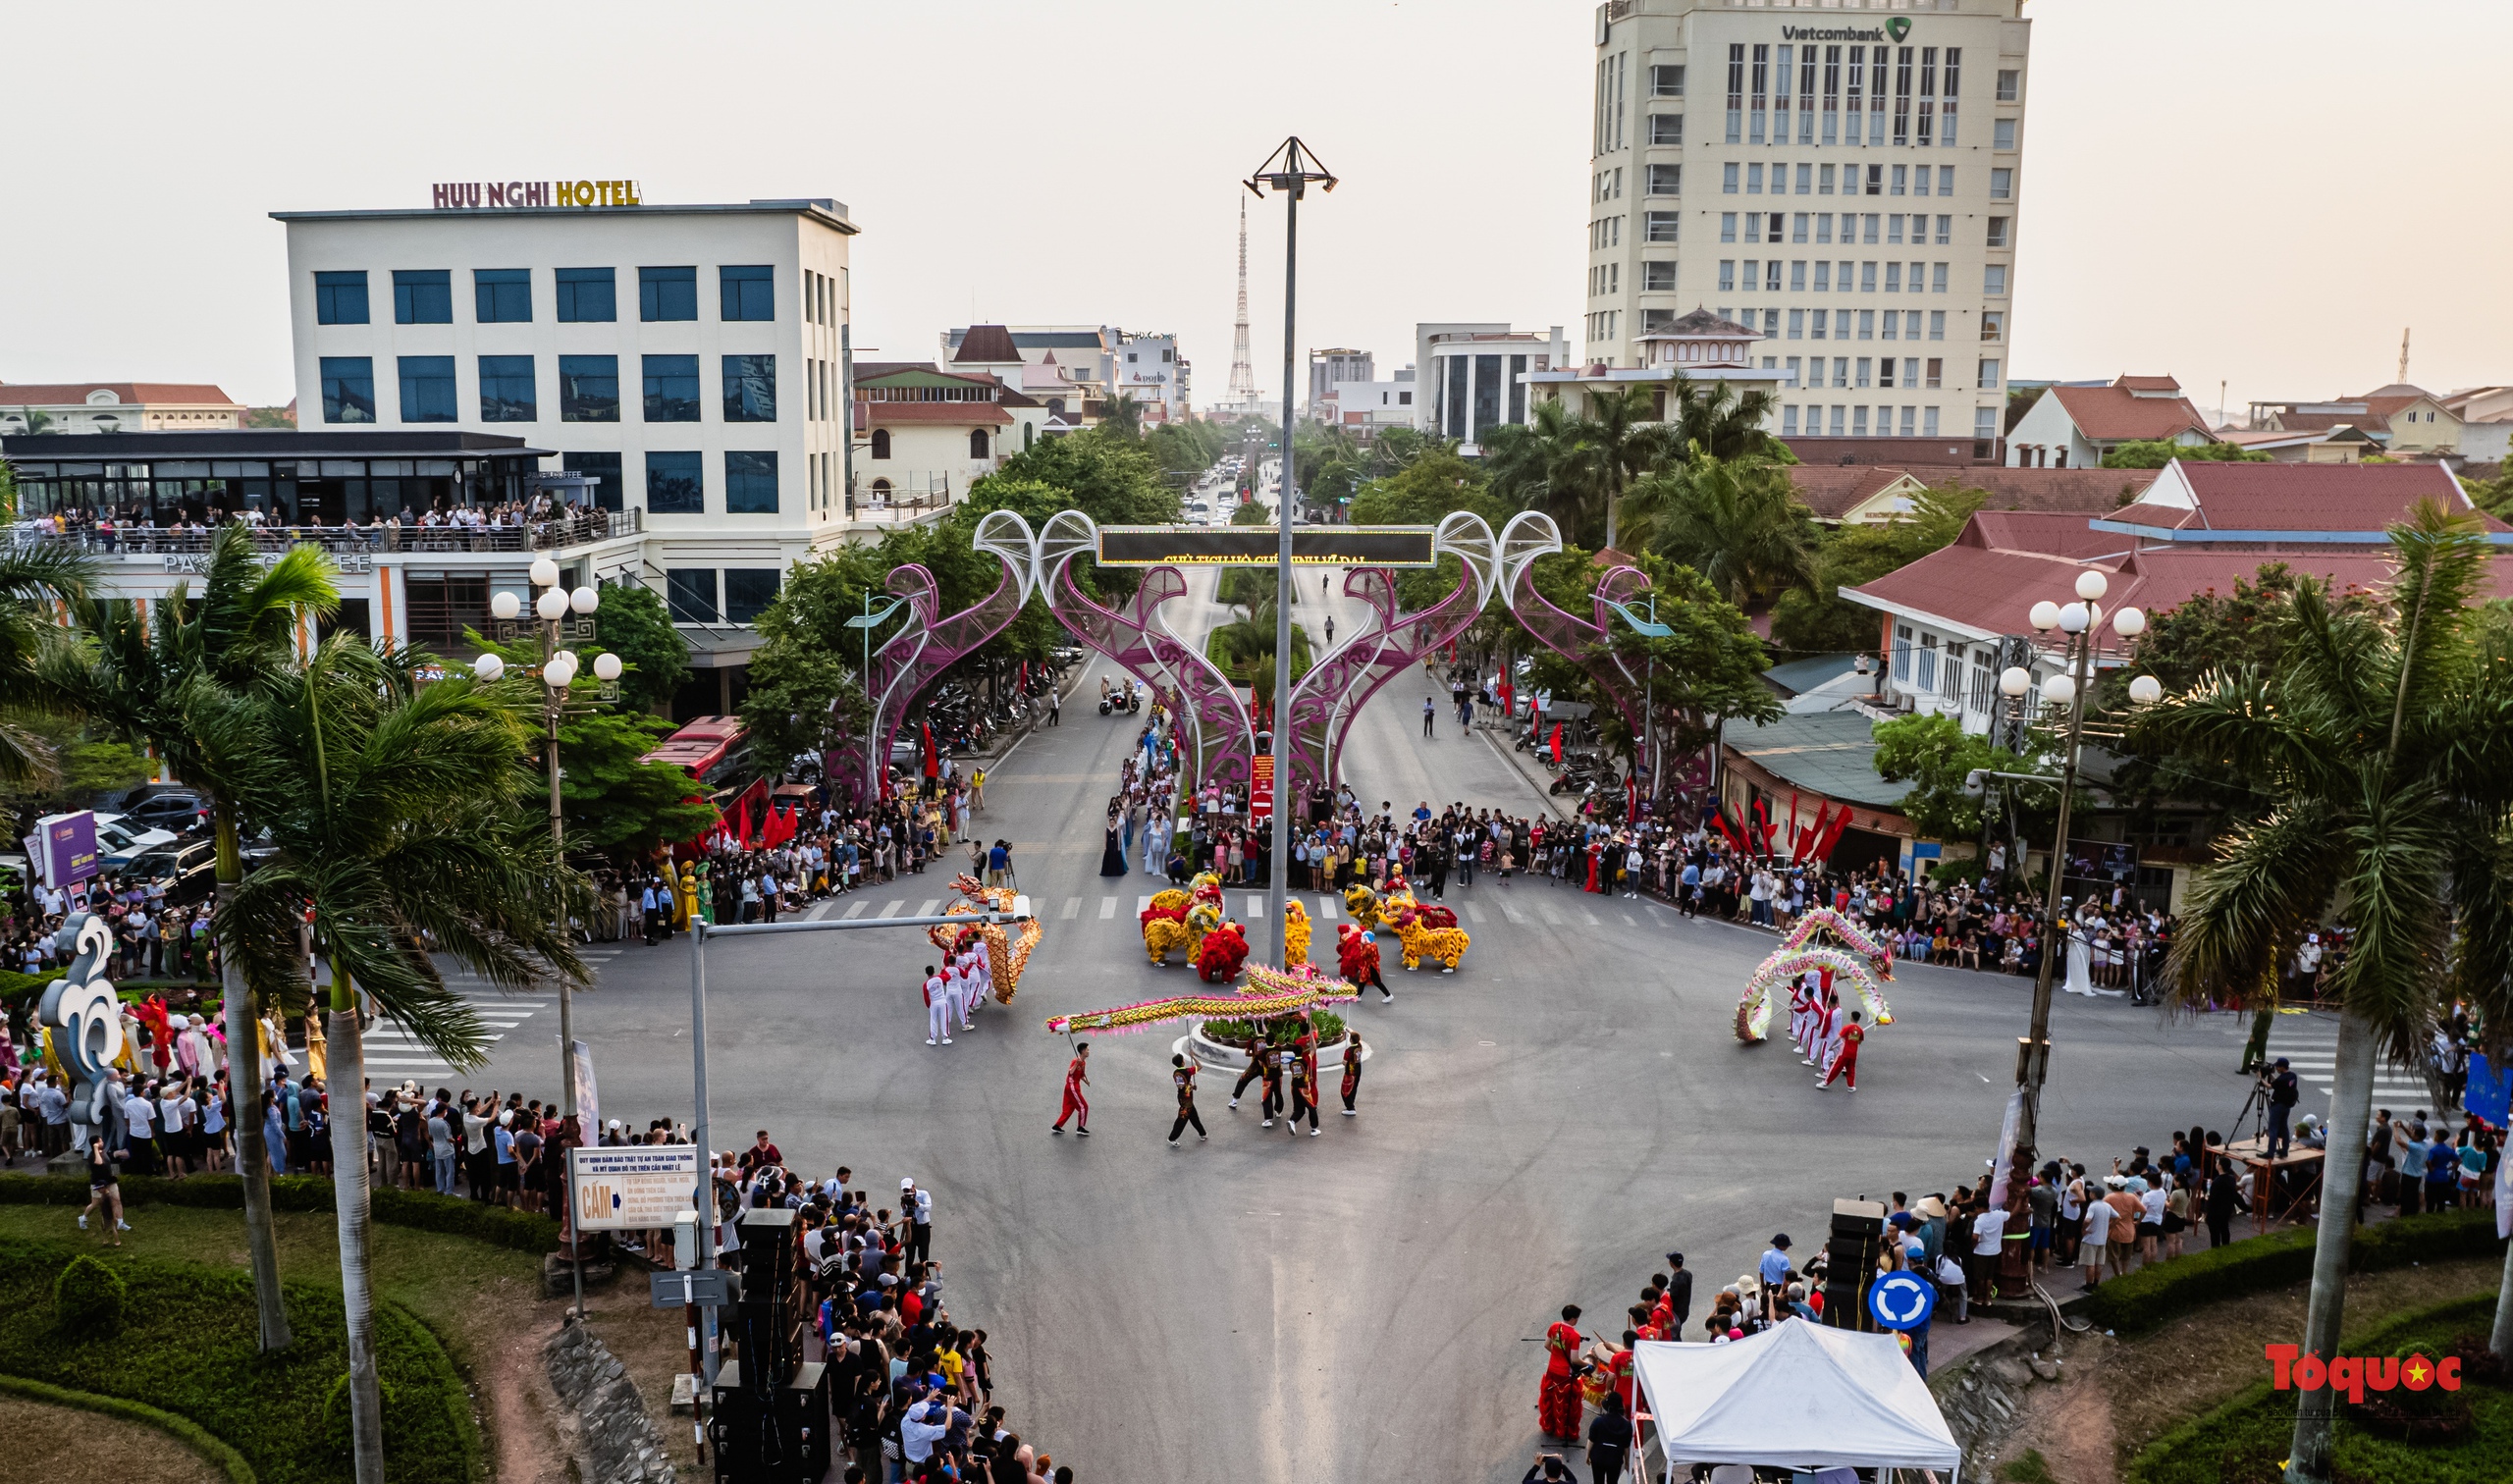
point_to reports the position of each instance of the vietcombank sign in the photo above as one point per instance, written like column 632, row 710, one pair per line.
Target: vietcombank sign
column 1898, row 27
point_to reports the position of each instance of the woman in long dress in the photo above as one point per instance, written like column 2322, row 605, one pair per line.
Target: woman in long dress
column 1112, row 859
column 2080, row 954
column 1557, row 1398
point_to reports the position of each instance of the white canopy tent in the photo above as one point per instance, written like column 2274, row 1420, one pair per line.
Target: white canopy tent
column 1798, row 1395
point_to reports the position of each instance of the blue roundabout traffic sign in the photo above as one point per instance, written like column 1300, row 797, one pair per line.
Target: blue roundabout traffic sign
column 1901, row 1300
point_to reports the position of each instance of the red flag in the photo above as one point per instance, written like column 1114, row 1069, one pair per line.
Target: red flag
column 1557, row 744
column 1729, row 830
column 933, row 760
column 1815, row 832
column 1631, row 799
column 741, row 826
column 1792, row 823
column 1841, row 822
column 1761, row 827
column 1509, row 701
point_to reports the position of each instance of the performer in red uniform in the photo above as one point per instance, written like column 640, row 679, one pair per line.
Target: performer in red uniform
column 1845, row 1062
column 1077, row 1075
column 1557, row 1399
column 1352, row 1073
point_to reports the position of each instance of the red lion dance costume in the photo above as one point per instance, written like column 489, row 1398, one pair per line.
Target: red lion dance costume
column 1224, row 949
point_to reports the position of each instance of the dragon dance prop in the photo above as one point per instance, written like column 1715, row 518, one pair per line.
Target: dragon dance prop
column 1005, row 954
column 1861, row 963
column 1270, row 995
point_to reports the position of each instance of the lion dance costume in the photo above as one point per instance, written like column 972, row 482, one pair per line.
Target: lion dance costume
column 1423, row 931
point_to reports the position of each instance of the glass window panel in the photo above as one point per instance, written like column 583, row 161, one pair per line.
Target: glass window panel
column 589, row 389
column 507, row 391
column 750, row 388
column 750, row 483
column 667, row 293
column 676, row 483
column 588, row 295
column 671, row 389
column 339, row 298
column 502, row 295
column 348, row 389
column 422, row 296
column 748, row 293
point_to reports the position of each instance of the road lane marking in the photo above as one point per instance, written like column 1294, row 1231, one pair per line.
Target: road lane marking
column 894, row 909
column 1109, row 907
column 930, row 906
column 1551, row 916
column 1590, row 917
column 1512, row 914
column 857, row 910
column 1326, row 909
column 1072, row 910
column 1256, row 907
column 1473, row 913
column 1630, row 921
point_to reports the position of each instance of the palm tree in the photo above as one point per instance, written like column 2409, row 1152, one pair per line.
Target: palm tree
column 2380, row 741
column 1123, row 417
column 1718, row 421
column 1737, row 523
column 1630, row 442
column 401, row 817
column 35, row 582
column 1547, row 464
column 181, row 679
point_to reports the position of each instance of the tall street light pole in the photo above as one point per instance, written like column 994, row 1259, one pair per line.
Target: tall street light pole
column 2071, row 689
column 1288, row 170
column 559, row 668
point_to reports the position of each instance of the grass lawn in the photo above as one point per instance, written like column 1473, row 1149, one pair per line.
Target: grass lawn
column 459, row 1288
column 468, row 1295
column 2247, row 1440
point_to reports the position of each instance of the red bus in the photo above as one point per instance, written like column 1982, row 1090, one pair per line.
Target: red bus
column 714, row 751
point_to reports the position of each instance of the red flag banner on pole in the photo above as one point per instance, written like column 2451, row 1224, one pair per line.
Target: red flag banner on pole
column 932, row 761
column 1806, row 838
column 1841, row 822
column 1557, row 744
column 1735, row 839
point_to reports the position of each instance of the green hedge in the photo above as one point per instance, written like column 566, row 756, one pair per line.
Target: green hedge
column 230, row 1462
column 421, row 1211
column 2244, row 1439
column 190, row 1346
column 2165, row 1291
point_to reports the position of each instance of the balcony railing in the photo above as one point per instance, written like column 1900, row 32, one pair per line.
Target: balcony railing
column 900, row 495
column 186, row 545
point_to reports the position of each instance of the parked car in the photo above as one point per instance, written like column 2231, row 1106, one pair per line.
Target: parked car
column 119, row 838
column 189, row 870
column 180, row 810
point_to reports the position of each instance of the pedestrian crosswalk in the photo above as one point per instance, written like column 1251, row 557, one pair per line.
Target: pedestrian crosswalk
column 2310, row 1045
column 392, row 1055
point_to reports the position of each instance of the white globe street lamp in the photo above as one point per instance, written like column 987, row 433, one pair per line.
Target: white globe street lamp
column 2014, row 681
column 545, row 572
column 585, row 599
column 2091, row 585
column 607, row 667
column 2130, row 623
column 2146, row 690
column 2075, row 617
column 551, row 605
column 2045, row 616
column 488, row 667
column 505, row 606
column 2059, row 690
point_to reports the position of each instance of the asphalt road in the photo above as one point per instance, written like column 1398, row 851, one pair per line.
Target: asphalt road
column 1536, row 1130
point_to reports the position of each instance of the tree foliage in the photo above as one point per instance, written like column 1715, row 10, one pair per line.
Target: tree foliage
column 2156, row 453
column 1934, row 755
column 634, row 625
column 1817, row 620
column 1735, row 522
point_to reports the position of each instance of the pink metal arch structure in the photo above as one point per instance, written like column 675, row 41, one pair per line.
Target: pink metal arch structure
column 925, row 646
column 1325, row 701
column 1139, row 639
column 1532, row 534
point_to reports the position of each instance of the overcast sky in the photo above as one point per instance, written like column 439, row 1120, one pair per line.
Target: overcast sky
column 2262, row 192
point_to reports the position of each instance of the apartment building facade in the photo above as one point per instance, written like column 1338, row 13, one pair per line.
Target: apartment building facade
column 1881, row 286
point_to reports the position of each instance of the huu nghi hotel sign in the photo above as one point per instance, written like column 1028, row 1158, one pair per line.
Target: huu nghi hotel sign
column 479, row 195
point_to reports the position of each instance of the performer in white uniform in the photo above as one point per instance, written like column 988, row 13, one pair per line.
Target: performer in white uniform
column 938, row 1008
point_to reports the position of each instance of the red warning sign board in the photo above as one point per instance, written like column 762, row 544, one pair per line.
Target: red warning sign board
column 1260, row 787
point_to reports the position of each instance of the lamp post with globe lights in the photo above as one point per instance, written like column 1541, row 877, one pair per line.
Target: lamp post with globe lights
column 562, row 616
column 2070, row 689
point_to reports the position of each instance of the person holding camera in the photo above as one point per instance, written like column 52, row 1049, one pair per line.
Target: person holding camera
column 2283, row 1097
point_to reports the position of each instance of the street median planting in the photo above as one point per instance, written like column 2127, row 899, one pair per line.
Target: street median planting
column 186, row 1345
column 420, row 1210
column 2247, row 1440
column 2162, row 1292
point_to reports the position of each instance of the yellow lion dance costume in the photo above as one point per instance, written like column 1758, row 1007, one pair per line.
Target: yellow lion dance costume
column 1296, row 932
column 1425, row 933
column 1164, row 927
